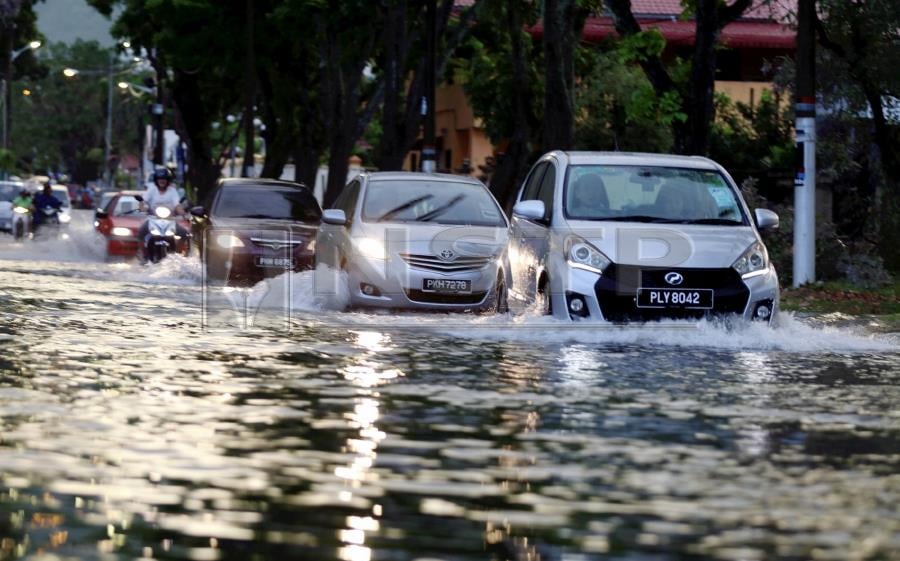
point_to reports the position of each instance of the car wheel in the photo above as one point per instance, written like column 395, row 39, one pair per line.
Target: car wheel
column 497, row 302
column 544, row 301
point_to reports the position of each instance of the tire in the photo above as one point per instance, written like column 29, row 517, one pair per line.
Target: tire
column 544, row 299
column 497, row 302
column 19, row 230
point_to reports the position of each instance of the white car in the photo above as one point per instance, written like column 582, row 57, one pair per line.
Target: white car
column 65, row 212
column 12, row 220
column 639, row 237
column 417, row 241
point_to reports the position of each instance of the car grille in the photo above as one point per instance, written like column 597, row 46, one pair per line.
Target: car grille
column 617, row 292
column 433, row 263
column 435, row 298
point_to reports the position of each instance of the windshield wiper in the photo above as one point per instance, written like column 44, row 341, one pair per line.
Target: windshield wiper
column 441, row 209
column 713, row 221
column 639, row 218
column 401, row 208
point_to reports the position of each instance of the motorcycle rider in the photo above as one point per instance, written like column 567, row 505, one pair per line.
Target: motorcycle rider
column 161, row 193
column 23, row 200
column 43, row 200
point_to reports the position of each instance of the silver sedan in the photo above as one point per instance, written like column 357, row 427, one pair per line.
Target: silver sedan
column 415, row 241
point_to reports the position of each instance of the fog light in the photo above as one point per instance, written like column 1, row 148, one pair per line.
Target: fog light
column 577, row 305
column 763, row 310
column 369, row 290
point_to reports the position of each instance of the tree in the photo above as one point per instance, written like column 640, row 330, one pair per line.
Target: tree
column 500, row 69
column 697, row 95
column 563, row 21
column 18, row 23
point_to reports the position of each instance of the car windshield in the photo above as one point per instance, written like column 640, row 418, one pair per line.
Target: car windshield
column 440, row 202
column 62, row 194
column 272, row 204
column 127, row 204
column 651, row 194
column 8, row 192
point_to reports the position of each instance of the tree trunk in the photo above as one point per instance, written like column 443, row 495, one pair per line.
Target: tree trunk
column 559, row 97
column 193, row 127
column 394, row 63
column 511, row 169
column 700, row 94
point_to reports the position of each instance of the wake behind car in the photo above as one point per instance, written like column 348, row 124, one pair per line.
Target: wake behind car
column 120, row 221
column 639, row 237
column 256, row 228
column 417, row 241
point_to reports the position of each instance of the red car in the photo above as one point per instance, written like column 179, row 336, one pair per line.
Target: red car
column 120, row 221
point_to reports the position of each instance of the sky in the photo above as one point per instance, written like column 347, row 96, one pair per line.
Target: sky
column 68, row 20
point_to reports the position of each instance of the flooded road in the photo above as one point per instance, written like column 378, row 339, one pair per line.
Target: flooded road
column 129, row 431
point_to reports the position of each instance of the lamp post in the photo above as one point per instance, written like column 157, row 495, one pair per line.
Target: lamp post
column 5, row 89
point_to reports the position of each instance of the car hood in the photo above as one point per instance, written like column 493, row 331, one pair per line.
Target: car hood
column 431, row 239
column 664, row 245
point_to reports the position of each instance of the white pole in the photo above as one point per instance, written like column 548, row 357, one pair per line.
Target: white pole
column 805, row 206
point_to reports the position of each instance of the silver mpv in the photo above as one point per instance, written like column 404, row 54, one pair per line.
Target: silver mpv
column 639, row 237
column 415, row 241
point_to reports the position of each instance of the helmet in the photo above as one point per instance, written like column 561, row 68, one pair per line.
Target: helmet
column 162, row 173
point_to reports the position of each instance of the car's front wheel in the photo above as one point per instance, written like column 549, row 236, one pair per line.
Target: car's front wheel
column 498, row 302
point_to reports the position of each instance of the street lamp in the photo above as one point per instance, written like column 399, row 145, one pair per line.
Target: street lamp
column 5, row 89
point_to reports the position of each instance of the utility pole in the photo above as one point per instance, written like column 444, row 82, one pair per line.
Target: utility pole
column 10, row 29
column 429, row 151
column 249, row 166
column 805, row 180
column 158, row 110
column 107, row 137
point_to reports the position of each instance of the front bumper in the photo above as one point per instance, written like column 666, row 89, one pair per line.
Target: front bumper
column 395, row 284
column 613, row 295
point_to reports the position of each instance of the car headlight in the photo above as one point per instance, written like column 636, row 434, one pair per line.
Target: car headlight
column 582, row 255
column 20, row 210
column 122, row 232
column 752, row 262
column 371, row 248
column 64, row 218
column 229, row 241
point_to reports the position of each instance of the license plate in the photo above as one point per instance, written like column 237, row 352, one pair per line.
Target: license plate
column 447, row 286
column 697, row 298
column 279, row 262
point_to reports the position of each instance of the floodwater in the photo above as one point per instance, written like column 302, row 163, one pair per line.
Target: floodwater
column 132, row 426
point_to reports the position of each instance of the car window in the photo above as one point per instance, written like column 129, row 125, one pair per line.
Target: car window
column 651, row 194
column 348, row 199
column 63, row 195
column 8, row 192
column 533, row 182
column 437, row 202
column 545, row 193
column 272, row 204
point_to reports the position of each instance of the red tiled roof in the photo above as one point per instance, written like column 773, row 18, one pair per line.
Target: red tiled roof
column 740, row 34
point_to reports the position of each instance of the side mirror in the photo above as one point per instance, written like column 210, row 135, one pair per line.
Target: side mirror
column 334, row 216
column 100, row 214
column 198, row 212
column 530, row 210
column 766, row 219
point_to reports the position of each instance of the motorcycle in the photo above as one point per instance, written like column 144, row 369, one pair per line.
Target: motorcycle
column 162, row 238
column 49, row 217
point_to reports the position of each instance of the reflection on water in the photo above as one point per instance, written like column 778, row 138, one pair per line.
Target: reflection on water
column 126, row 432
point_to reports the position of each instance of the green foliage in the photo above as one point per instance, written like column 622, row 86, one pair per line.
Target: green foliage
column 60, row 125
column 618, row 110
column 640, row 47
column 752, row 141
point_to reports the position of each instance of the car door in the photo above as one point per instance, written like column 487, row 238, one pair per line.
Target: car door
column 521, row 256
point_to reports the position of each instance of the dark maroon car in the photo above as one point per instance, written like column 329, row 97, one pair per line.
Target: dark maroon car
column 252, row 229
